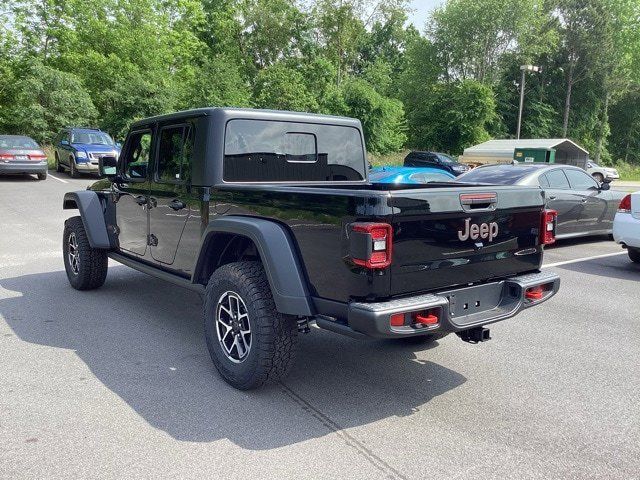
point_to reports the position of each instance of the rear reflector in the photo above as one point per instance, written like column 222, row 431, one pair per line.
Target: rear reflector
column 548, row 227
column 534, row 293
column 625, row 205
column 397, row 320
column 371, row 244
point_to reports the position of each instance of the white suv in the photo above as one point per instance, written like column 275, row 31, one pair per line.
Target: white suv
column 626, row 225
column 602, row 174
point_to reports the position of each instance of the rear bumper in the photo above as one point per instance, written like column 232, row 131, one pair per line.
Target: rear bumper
column 458, row 310
column 17, row 168
column 626, row 230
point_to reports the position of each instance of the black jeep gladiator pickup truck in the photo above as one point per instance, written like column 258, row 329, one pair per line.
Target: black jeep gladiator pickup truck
column 270, row 216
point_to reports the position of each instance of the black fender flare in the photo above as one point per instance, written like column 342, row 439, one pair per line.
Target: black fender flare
column 92, row 214
column 279, row 258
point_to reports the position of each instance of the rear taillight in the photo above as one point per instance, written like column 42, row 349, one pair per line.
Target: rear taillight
column 625, row 205
column 38, row 157
column 371, row 244
column 548, row 227
column 6, row 156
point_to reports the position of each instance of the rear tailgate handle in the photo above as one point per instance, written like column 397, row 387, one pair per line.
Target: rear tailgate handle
column 479, row 201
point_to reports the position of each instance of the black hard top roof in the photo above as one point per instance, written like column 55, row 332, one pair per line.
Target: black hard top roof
column 228, row 113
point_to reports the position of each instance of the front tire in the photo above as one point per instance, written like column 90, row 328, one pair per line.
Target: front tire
column 59, row 168
column 86, row 267
column 249, row 341
column 598, row 177
column 73, row 171
column 634, row 254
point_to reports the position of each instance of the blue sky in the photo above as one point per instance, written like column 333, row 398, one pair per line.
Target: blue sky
column 421, row 9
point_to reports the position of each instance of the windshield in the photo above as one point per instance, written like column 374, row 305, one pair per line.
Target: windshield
column 446, row 159
column 497, row 174
column 91, row 138
column 18, row 143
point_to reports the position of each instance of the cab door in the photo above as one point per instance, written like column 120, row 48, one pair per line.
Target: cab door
column 132, row 194
column 171, row 198
column 594, row 201
column 562, row 199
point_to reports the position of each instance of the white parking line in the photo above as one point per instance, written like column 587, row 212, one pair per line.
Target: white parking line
column 583, row 259
column 59, row 179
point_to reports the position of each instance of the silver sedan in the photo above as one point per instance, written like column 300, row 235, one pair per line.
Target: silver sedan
column 584, row 206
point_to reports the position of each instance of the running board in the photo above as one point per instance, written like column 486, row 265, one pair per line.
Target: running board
column 156, row 272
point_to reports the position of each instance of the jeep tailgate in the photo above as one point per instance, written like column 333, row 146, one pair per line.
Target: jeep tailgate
column 451, row 236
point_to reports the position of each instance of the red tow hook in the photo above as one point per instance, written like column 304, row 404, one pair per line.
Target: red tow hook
column 427, row 319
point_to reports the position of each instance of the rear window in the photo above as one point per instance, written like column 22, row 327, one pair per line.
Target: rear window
column 18, row 143
column 496, row 175
column 270, row 151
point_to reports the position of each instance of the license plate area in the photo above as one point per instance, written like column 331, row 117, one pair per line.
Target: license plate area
column 21, row 158
column 472, row 304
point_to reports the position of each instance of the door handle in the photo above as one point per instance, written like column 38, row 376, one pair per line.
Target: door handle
column 553, row 197
column 585, row 200
column 141, row 200
column 177, row 205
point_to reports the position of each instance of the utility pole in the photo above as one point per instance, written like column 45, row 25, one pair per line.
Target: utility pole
column 524, row 69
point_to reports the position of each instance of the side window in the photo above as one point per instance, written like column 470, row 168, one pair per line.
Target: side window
column 542, row 179
column 136, row 158
column 580, row 180
column 557, row 179
column 175, row 151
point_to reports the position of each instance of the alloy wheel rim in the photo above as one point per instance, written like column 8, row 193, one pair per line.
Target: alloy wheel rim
column 73, row 254
column 232, row 327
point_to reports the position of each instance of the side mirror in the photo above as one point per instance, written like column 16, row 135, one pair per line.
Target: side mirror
column 118, row 145
column 107, row 166
column 64, row 142
column 605, row 186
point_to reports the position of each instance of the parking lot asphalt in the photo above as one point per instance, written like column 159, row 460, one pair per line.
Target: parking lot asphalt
column 117, row 382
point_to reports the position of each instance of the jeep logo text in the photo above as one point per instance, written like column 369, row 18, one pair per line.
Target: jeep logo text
column 474, row 231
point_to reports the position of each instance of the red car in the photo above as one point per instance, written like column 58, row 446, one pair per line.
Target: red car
column 22, row 155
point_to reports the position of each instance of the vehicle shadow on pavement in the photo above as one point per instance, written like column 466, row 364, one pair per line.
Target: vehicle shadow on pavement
column 143, row 339
column 18, row 178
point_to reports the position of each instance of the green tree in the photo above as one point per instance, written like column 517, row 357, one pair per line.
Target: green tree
column 43, row 100
column 283, row 88
column 453, row 116
column 382, row 117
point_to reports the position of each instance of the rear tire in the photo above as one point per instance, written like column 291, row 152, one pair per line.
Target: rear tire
column 86, row 267
column 42, row 176
column 634, row 254
column 266, row 339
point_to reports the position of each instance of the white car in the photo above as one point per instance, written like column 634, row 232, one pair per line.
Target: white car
column 602, row 174
column 626, row 225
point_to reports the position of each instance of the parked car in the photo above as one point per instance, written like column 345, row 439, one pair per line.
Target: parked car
column 271, row 217
column 435, row 160
column 602, row 174
column 408, row 175
column 584, row 206
column 22, row 155
column 626, row 225
column 79, row 150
